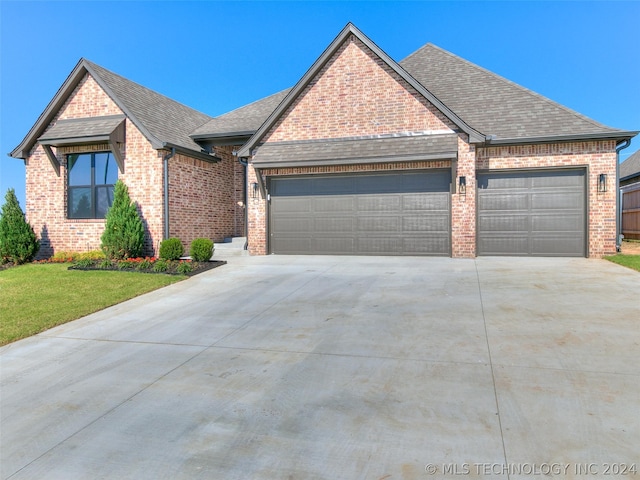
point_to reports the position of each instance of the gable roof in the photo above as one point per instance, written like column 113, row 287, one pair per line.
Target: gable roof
column 499, row 108
column 630, row 167
column 315, row 69
column 164, row 122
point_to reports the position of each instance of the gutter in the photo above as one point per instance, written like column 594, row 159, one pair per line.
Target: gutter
column 617, row 135
column 624, row 144
column 165, row 174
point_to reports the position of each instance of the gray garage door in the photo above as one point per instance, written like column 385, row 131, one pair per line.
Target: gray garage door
column 365, row 214
column 533, row 213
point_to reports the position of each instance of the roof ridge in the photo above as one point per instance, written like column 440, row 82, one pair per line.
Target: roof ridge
column 94, row 65
column 517, row 85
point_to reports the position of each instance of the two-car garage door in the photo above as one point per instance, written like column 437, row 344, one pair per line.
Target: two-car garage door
column 405, row 213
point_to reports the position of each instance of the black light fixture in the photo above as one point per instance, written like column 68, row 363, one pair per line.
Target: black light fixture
column 462, row 186
column 602, row 182
column 254, row 190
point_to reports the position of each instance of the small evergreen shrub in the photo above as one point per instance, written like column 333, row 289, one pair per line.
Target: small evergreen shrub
column 184, row 268
column 171, row 249
column 201, row 250
column 160, row 266
column 18, row 242
column 123, row 235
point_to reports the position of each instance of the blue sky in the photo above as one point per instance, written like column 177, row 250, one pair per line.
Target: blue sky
column 217, row 56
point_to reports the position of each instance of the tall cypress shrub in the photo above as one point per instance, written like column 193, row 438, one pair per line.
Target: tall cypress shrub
column 18, row 242
column 123, row 235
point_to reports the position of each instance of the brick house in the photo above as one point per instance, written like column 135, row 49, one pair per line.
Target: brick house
column 429, row 156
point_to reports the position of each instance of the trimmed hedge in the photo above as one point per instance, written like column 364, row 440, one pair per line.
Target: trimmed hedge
column 171, row 249
column 201, row 250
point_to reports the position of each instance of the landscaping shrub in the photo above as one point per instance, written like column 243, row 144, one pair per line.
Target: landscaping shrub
column 68, row 256
column 84, row 262
column 18, row 242
column 160, row 266
column 123, row 235
column 201, row 250
column 171, row 249
column 184, row 268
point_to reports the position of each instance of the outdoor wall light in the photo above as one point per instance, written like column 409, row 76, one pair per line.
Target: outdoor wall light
column 254, row 190
column 602, row 182
column 462, row 186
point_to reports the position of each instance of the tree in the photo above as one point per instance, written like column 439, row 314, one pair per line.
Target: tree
column 123, row 235
column 18, row 242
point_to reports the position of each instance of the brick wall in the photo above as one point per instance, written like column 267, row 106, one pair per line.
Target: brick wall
column 599, row 157
column 206, row 199
column 463, row 206
column 210, row 188
column 356, row 94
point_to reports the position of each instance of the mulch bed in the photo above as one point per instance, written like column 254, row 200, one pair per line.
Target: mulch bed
column 197, row 267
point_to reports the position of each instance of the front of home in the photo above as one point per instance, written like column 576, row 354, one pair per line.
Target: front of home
column 363, row 156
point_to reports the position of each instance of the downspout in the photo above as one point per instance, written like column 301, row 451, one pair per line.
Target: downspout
column 245, row 164
column 165, row 175
column 621, row 147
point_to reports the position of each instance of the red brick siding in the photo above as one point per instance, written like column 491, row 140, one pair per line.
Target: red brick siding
column 203, row 198
column 598, row 156
column 356, row 94
column 463, row 207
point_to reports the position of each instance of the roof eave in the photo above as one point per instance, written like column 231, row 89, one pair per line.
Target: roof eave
column 614, row 135
column 207, row 157
column 213, row 136
column 349, row 29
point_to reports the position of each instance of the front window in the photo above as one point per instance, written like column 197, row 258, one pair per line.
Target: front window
column 91, row 181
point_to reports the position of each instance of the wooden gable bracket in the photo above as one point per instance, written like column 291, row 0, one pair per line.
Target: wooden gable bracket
column 55, row 163
column 117, row 138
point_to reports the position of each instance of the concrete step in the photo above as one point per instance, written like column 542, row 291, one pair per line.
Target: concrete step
column 231, row 246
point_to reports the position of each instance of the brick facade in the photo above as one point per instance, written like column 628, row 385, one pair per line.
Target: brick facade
column 356, row 94
column 205, row 199
column 596, row 156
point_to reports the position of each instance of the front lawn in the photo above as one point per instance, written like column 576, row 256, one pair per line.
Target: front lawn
column 36, row 297
column 630, row 261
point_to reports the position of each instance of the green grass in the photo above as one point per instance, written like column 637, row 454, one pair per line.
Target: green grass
column 630, row 261
column 36, row 297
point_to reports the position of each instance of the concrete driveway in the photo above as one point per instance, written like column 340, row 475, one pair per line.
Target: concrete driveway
column 287, row 367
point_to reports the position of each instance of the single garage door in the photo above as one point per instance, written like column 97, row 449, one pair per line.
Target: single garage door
column 533, row 213
column 361, row 214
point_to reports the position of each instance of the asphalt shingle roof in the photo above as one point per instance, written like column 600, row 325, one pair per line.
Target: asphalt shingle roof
column 82, row 128
column 245, row 119
column 485, row 101
column 631, row 166
column 165, row 119
column 356, row 150
column 492, row 104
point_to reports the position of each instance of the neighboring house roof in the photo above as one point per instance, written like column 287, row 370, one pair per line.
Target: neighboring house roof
column 164, row 122
column 630, row 167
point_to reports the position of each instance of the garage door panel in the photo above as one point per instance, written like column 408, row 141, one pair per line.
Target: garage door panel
column 334, row 204
column 504, row 223
column 558, row 223
column 426, row 223
column 426, row 202
column 557, row 201
column 402, row 213
column 378, row 204
column 550, row 218
column 334, row 224
column 378, row 224
column 506, row 201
